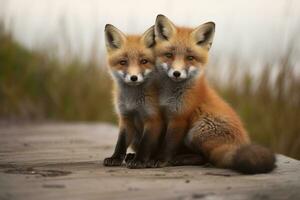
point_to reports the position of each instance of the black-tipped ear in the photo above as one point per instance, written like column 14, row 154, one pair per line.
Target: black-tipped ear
column 164, row 28
column 148, row 38
column 114, row 38
column 204, row 34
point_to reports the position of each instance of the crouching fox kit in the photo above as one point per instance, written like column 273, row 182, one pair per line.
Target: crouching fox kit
column 131, row 62
column 195, row 114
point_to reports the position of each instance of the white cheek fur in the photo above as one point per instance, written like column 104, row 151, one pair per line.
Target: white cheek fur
column 165, row 66
column 127, row 78
column 192, row 69
column 140, row 78
column 120, row 72
column 147, row 71
column 183, row 74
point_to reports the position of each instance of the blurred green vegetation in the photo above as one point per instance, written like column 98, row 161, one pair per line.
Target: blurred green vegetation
column 34, row 86
column 270, row 109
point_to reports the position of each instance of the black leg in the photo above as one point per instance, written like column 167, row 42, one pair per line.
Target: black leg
column 173, row 140
column 147, row 145
column 120, row 151
column 129, row 157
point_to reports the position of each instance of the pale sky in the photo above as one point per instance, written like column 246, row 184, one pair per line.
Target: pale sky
column 253, row 29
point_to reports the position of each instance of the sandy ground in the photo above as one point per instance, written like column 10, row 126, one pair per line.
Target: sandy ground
column 64, row 161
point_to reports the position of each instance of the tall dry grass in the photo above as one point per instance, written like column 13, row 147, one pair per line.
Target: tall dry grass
column 34, row 86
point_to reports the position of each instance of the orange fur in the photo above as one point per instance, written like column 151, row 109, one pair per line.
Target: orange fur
column 206, row 121
column 136, row 102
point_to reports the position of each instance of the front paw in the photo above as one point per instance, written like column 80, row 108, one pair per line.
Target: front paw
column 135, row 164
column 112, row 161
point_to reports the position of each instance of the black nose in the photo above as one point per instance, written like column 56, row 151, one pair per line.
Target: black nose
column 133, row 78
column 176, row 74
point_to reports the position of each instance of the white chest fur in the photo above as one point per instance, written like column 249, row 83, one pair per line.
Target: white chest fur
column 134, row 100
column 171, row 95
column 131, row 99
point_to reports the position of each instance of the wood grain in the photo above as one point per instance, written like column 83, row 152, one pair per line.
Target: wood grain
column 64, row 161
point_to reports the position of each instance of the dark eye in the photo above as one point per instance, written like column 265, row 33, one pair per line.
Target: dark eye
column 123, row 62
column 190, row 58
column 169, row 55
column 144, row 61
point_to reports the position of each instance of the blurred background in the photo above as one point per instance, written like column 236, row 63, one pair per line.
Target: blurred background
column 53, row 67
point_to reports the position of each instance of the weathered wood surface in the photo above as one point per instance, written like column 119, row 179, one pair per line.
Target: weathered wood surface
column 64, row 161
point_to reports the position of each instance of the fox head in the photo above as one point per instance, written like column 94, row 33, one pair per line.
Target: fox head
column 182, row 52
column 131, row 58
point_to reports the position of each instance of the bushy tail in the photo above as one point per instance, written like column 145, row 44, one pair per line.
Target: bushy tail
column 253, row 159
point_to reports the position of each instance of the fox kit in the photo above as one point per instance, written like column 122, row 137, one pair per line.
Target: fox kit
column 196, row 115
column 131, row 61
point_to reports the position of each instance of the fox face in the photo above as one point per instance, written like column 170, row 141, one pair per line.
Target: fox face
column 182, row 53
column 130, row 58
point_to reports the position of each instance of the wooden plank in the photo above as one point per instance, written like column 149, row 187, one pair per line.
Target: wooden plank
column 64, row 161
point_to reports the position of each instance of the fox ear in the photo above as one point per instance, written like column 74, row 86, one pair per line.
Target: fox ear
column 164, row 28
column 114, row 38
column 148, row 38
column 204, row 34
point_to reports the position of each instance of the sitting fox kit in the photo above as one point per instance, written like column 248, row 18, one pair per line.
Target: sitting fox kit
column 195, row 114
column 131, row 61
column 183, row 111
